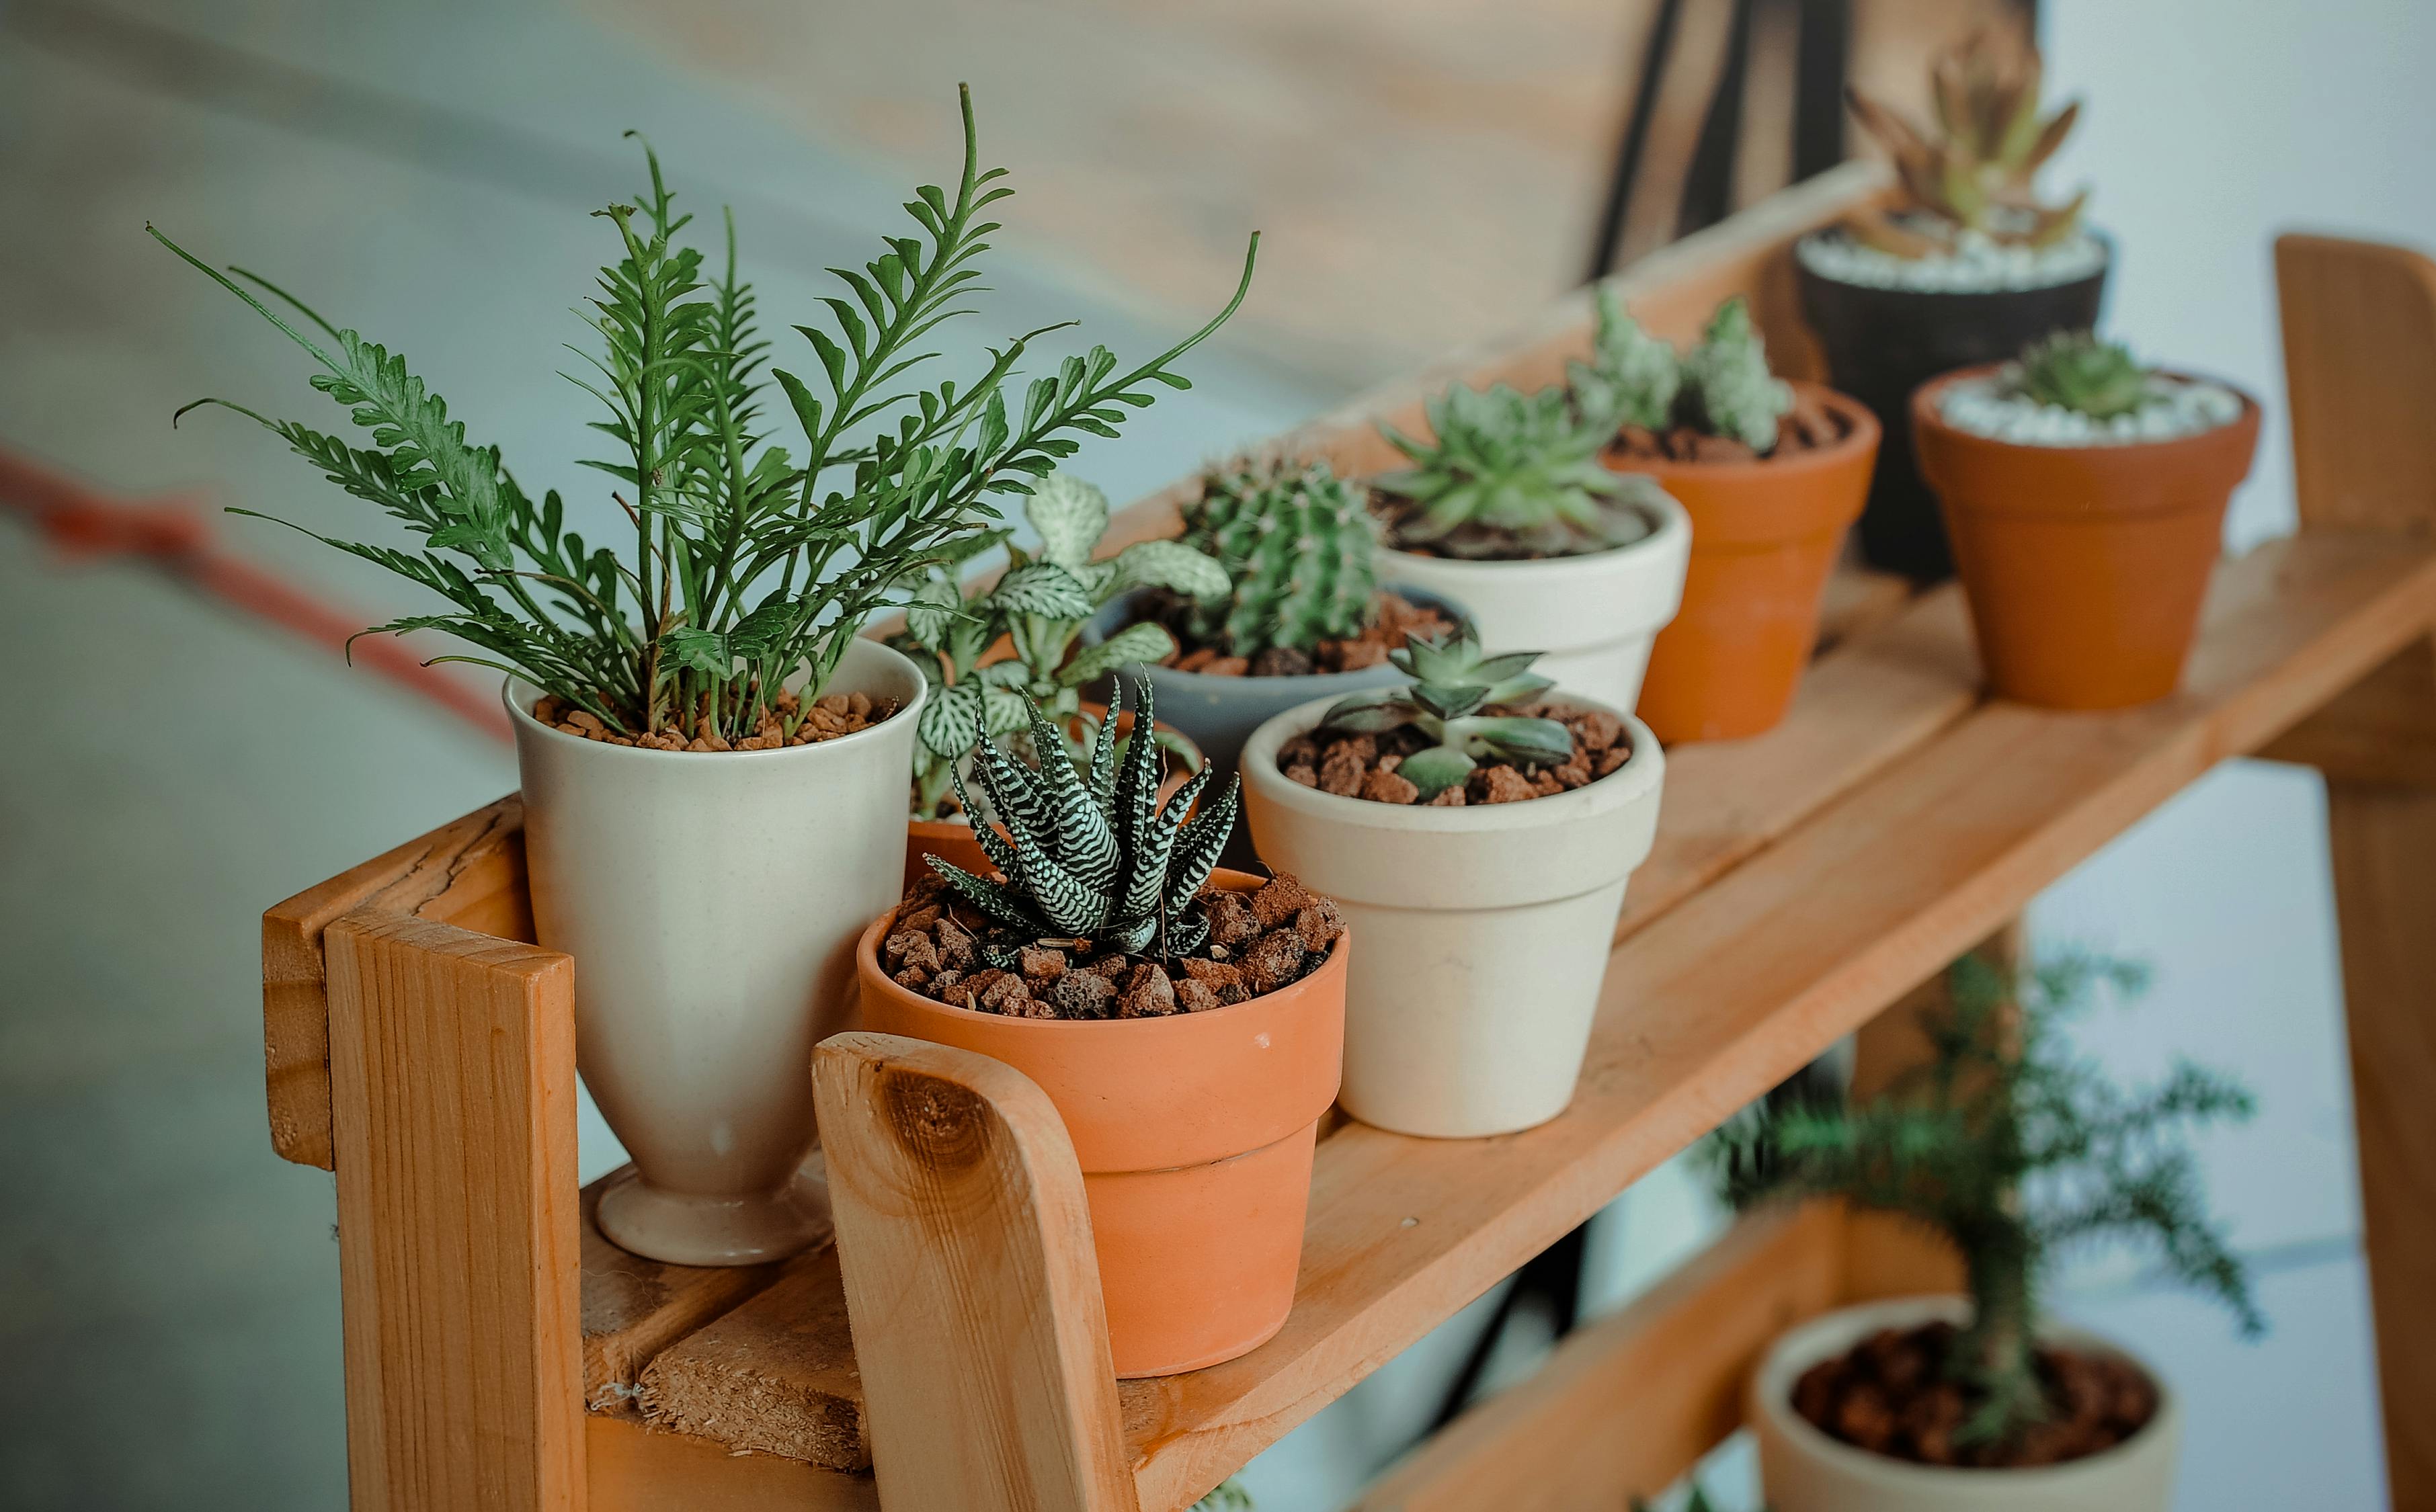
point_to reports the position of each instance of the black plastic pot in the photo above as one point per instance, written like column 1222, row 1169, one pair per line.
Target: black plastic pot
column 1883, row 344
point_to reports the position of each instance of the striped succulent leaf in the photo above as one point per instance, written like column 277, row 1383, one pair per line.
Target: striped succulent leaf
column 1078, row 834
column 1146, row 879
column 1101, row 778
column 1002, row 903
column 1197, row 845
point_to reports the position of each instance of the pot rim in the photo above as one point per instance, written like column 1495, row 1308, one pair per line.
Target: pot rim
column 520, row 714
column 1927, row 416
column 1555, row 573
column 866, row 955
column 1865, row 434
column 1409, row 592
column 2104, row 239
column 1774, row 1399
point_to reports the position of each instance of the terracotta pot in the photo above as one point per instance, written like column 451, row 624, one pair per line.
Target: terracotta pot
column 712, row 903
column 1764, row 535
column 2084, row 566
column 1194, row 1133
column 1484, row 930
column 1591, row 617
column 1802, row 1469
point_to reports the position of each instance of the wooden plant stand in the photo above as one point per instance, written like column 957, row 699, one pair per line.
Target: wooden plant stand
column 501, row 1356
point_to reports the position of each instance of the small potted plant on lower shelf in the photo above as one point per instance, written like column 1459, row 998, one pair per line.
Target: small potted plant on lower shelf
column 1772, row 475
column 2011, row 1149
column 2085, row 493
column 1476, row 829
column 1188, row 1023
column 712, row 756
column 1967, row 266
column 1507, row 512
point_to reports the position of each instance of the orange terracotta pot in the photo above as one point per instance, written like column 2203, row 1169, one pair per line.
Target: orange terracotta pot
column 2084, row 566
column 1764, row 536
column 1194, row 1133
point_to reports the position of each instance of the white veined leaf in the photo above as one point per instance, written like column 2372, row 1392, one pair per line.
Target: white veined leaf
column 1172, row 565
column 1134, row 643
column 1071, row 516
column 1004, row 711
column 947, row 725
column 1006, row 675
column 1043, row 588
column 931, row 611
column 1098, row 579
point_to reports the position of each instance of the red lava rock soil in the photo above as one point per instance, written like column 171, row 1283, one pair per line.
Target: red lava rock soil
column 1888, row 1394
column 1808, row 425
column 1392, row 621
column 1258, row 942
column 831, row 715
column 1364, row 766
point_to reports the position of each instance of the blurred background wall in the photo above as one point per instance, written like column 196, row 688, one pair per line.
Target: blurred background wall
column 1428, row 172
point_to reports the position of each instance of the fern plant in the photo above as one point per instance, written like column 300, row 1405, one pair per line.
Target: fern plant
column 1093, row 854
column 1297, row 542
column 2012, row 1150
column 750, row 561
column 1507, row 473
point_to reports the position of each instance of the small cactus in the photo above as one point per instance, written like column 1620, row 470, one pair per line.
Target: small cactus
column 1632, row 374
column 2074, row 370
column 1726, row 378
column 1297, row 539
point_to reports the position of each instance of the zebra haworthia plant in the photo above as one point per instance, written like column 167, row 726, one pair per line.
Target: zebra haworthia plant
column 1093, row 854
column 1453, row 685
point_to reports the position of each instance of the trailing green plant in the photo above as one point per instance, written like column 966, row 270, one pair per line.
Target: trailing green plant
column 1722, row 386
column 2014, row 1151
column 750, row 561
column 1298, row 542
column 1093, row 854
column 1452, row 686
column 1507, row 473
column 2076, row 370
column 1974, row 172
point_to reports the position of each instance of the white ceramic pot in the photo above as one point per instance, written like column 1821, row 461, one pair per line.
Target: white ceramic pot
column 711, row 902
column 1484, row 930
column 1802, row 1469
column 1592, row 617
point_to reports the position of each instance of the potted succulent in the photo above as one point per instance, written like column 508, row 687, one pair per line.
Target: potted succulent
column 2087, row 495
column 1967, row 266
column 1771, row 473
column 1507, row 512
column 1306, row 616
column 712, row 756
column 1188, row 1024
column 1477, row 831
column 2009, row 1147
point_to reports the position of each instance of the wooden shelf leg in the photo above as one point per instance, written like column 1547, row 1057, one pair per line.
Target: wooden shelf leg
column 970, row 1282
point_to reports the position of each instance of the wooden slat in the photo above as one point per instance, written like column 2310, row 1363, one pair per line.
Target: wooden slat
column 776, row 1375
column 2359, row 366
column 453, row 1064
column 1743, row 983
column 974, row 1289
column 634, row 1307
column 469, row 873
column 2380, row 732
column 638, row 1468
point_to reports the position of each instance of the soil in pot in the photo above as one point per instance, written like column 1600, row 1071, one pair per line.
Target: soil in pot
column 784, row 723
column 1392, row 620
column 1364, row 766
column 1766, row 533
column 1889, row 1395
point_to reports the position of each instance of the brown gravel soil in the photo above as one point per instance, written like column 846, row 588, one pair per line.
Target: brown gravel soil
column 1809, row 425
column 1391, row 621
column 831, row 715
column 1364, row 766
column 945, row 950
column 1888, row 1394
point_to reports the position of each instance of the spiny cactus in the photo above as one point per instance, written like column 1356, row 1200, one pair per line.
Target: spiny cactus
column 1726, row 380
column 1508, row 474
column 2076, row 370
column 1631, row 376
column 1298, row 541
column 1094, row 855
column 1451, row 682
column 1974, row 173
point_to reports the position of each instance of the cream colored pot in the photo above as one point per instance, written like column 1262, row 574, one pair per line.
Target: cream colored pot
column 1592, row 617
column 1484, row 930
column 711, row 902
column 1802, row 1469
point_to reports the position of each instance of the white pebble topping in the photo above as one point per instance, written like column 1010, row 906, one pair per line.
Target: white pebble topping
column 1991, row 407
column 1977, row 266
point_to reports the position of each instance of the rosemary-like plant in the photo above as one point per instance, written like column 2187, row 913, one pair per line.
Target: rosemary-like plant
column 750, row 561
column 2012, row 1150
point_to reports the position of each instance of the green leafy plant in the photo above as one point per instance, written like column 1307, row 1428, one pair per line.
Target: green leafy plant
column 1093, row 854
column 1722, row 386
column 2012, row 1150
column 750, row 561
column 1453, row 685
column 1508, row 474
column 1230, row 1497
column 1298, row 541
column 1631, row 376
column 2077, row 372
column 1974, row 172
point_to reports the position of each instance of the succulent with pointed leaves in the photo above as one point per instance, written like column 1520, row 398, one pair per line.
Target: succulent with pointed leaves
column 1507, row 473
column 1093, row 854
column 1631, row 375
column 1727, row 381
column 1298, row 541
column 1974, row 172
column 1452, row 683
column 2074, row 370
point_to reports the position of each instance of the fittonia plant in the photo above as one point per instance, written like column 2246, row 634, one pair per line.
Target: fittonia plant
column 2074, row 370
column 1722, row 386
column 1453, row 686
column 750, row 563
column 1507, row 473
column 1298, row 541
